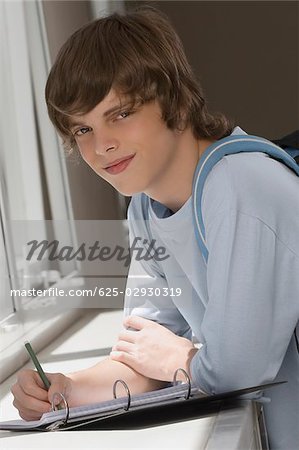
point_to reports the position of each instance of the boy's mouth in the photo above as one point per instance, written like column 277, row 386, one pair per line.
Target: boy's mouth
column 119, row 165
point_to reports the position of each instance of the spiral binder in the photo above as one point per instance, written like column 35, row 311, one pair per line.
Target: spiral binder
column 126, row 408
column 63, row 424
column 56, row 425
column 180, row 401
column 187, row 395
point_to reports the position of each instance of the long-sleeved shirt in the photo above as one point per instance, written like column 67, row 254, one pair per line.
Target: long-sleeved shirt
column 243, row 305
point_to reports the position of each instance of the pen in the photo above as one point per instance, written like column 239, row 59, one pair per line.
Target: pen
column 39, row 368
column 37, row 365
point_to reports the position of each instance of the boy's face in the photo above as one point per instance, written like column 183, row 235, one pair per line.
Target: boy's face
column 114, row 130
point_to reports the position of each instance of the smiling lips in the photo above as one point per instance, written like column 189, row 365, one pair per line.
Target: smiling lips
column 120, row 166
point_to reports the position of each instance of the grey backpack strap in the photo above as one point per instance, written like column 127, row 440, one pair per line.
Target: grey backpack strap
column 213, row 154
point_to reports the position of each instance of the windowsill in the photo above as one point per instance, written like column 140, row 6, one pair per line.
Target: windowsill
column 40, row 330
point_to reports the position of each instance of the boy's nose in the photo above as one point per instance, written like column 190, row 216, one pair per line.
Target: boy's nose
column 104, row 145
column 104, row 149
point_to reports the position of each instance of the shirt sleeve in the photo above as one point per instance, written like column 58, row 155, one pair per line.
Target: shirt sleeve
column 252, row 305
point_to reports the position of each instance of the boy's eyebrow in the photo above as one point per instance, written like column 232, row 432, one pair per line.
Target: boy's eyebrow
column 109, row 111
column 117, row 107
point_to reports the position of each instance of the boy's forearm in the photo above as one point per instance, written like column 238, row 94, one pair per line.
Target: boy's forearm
column 95, row 384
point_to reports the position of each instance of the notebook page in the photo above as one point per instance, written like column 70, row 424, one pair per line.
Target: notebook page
column 157, row 396
column 103, row 408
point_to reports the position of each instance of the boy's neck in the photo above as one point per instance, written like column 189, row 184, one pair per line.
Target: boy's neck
column 176, row 186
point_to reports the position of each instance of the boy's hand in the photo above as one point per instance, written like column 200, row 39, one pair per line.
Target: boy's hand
column 30, row 396
column 152, row 350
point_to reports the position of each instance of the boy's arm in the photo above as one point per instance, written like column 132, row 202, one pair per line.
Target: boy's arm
column 91, row 385
column 95, row 384
column 253, row 304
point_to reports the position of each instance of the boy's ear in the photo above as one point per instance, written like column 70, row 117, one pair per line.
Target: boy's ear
column 182, row 124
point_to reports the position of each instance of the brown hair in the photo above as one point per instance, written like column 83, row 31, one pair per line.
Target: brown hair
column 138, row 54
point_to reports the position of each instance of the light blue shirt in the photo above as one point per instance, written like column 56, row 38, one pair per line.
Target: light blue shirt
column 243, row 305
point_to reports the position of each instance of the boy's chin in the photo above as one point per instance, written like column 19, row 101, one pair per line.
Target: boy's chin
column 128, row 193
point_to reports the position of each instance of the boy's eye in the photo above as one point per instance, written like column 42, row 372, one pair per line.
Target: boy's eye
column 82, row 131
column 123, row 114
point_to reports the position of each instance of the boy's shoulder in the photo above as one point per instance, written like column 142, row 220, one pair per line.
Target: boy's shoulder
column 252, row 183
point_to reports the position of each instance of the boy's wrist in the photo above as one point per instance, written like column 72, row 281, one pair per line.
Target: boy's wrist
column 192, row 352
column 74, row 394
column 183, row 361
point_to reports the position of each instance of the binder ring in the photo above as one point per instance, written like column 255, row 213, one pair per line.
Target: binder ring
column 187, row 395
column 67, row 409
column 126, row 408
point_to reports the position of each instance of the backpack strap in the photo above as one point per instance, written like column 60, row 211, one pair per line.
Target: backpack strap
column 290, row 144
column 213, row 154
column 289, row 141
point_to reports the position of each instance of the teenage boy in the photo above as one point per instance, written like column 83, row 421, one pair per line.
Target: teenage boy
column 122, row 93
